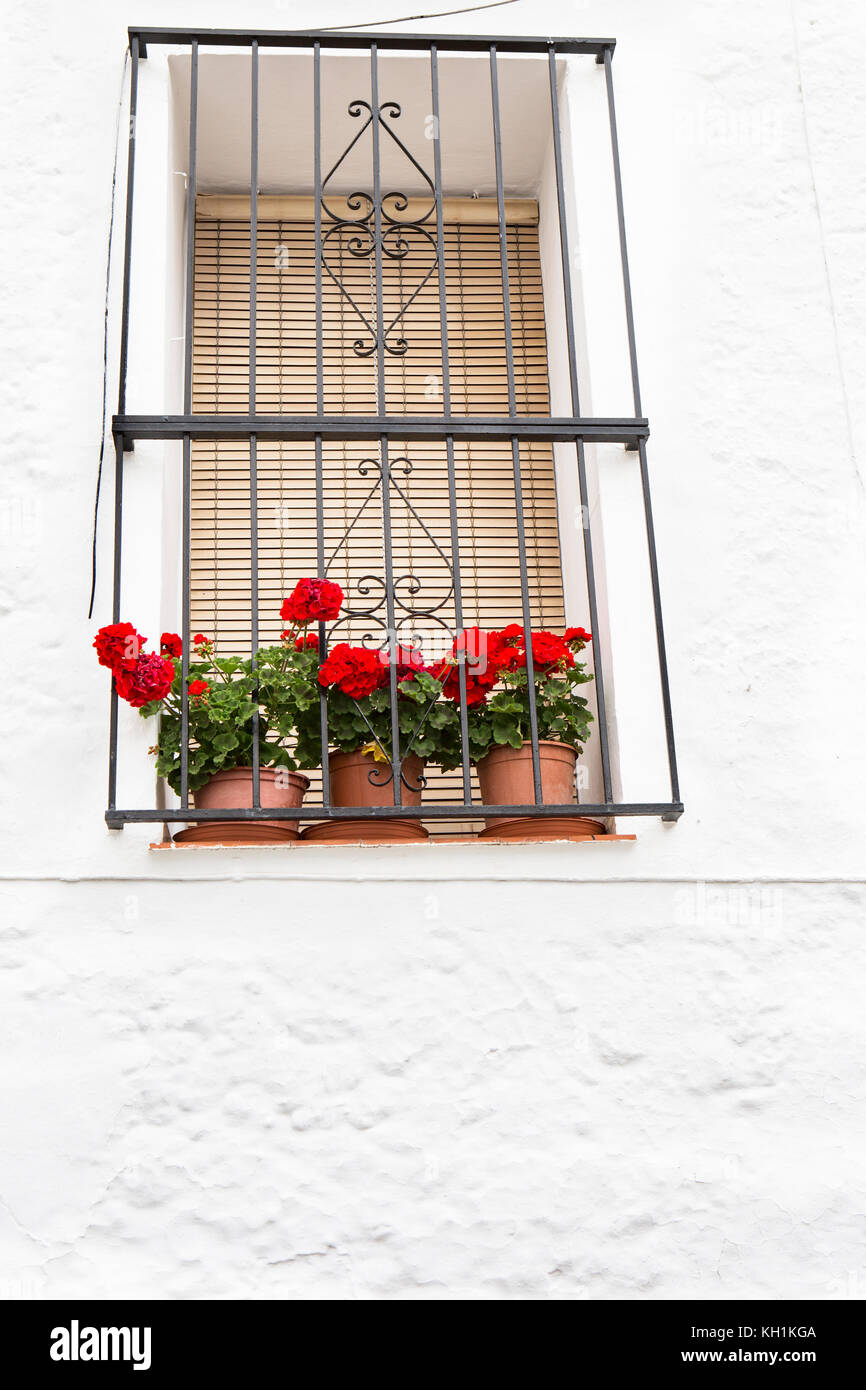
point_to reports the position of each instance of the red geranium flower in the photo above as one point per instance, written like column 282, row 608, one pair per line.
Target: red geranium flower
column 309, row 639
column 508, row 649
column 356, row 671
column 170, row 644
column 198, row 689
column 200, row 640
column 312, row 600
column 118, row 646
column 476, row 687
column 504, row 648
column 486, row 658
column 408, row 660
column 548, row 650
column 487, row 655
column 472, row 641
column 150, row 679
column 577, row 635
column 474, row 645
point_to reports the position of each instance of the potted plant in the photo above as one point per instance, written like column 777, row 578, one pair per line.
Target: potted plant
column 357, row 681
column 498, row 716
column 222, row 698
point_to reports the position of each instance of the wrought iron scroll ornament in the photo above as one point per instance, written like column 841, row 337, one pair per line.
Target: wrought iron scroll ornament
column 403, row 589
column 397, row 237
column 406, row 587
column 400, row 239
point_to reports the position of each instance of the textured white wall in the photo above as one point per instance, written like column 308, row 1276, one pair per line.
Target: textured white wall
column 430, row 1089
column 582, row 1071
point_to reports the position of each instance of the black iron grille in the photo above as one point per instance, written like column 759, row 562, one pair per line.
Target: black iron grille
column 362, row 248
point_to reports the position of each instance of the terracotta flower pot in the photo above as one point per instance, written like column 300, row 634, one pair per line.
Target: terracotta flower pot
column 357, row 779
column 505, row 777
column 233, row 789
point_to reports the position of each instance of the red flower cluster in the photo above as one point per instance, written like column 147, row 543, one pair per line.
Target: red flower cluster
column 548, row 650
column 139, row 676
column 198, row 689
column 170, row 644
column 150, row 679
column 490, row 655
column 312, row 600
column 357, row 671
column 486, row 656
column 476, row 686
column 504, row 649
column 118, row 646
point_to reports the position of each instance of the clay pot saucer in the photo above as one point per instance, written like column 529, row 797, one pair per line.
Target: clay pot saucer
column 368, row 832
column 542, row 828
column 235, row 832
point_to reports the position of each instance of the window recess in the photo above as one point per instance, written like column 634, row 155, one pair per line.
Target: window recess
column 361, row 301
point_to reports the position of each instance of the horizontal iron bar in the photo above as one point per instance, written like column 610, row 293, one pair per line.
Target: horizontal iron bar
column 598, row 430
column 667, row 809
column 294, row 38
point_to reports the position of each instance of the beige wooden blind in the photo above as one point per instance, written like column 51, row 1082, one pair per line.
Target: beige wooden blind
column 286, row 383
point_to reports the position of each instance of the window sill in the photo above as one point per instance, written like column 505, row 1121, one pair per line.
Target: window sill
column 432, row 845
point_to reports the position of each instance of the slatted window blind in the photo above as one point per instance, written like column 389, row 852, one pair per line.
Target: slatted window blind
column 286, row 383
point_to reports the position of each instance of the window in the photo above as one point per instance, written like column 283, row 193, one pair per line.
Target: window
column 371, row 323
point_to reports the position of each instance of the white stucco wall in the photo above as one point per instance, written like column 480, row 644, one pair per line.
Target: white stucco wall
column 569, row 1071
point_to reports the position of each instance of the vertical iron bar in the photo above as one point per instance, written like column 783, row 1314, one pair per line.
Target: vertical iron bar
column 396, row 761
column 121, row 407
column 503, row 231
column 449, row 439
column 515, row 444
column 320, row 402
column 317, row 216
column 575, row 406
column 563, row 234
column 127, row 248
column 187, row 407
column 377, row 233
column 323, row 632
column 660, row 631
column 254, row 211
column 601, row 706
column 118, row 535
column 527, row 621
column 623, row 249
column 458, row 615
column 186, row 511
column 254, row 609
column 440, row 229
column 254, row 495
column 190, row 227
column 644, row 470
